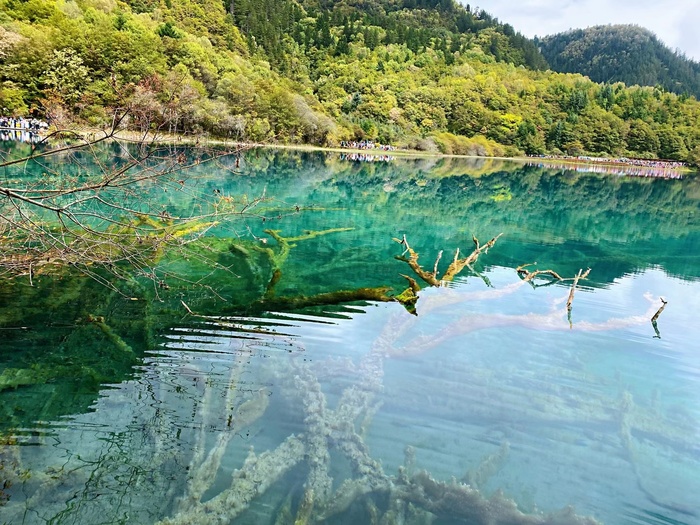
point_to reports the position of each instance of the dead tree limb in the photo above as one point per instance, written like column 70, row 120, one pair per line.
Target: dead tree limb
column 656, row 316
column 455, row 267
column 527, row 275
column 458, row 264
column 661, row 309
column 412, row 261
column 581, row 275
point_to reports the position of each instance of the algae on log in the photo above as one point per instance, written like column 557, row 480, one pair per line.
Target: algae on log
column 285, row 243
column 277, row 258
column 379, row 294
column 409, row 297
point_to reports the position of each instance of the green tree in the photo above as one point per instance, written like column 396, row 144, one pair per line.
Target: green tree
column 671, row 145
column 66, row 75
column 641, row 138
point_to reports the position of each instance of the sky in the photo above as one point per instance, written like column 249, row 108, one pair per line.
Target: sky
column 676, row 23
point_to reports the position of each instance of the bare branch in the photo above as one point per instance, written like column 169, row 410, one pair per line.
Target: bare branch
column 661, row 309
column 458, row 265
column 102, row 217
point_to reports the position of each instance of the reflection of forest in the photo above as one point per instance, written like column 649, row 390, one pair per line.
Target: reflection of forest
column 62, row 340
column 564, row 218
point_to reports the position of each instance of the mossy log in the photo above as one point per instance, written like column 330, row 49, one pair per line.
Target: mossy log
column 271, row 303
column 409, row 297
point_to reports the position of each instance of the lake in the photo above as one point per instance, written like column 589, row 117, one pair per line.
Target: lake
column 272, row 389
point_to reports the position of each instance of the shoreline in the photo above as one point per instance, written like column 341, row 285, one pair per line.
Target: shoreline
column 546, row 161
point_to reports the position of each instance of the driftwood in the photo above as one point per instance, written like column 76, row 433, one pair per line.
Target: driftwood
column 569, row 301
column 661, row 309
column 580, row 275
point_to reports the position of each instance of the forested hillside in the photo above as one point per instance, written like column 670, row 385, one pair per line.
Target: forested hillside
column 622, row 53
column 428, row 74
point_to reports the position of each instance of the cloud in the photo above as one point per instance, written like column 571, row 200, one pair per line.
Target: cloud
column 687, row 28
column 674, row 23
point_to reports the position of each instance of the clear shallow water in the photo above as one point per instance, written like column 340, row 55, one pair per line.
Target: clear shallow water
column 490, row 384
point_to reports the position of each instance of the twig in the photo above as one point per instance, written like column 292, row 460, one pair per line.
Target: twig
column 437, row 260
column 581, row 275
column 187, row 308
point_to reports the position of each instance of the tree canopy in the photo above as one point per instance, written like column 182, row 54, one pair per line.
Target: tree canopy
column 622, row 53
column 425, row 74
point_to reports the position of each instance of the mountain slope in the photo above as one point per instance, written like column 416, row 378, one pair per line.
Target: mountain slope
column 443, row 25
column 415, row 73
column 621, row 53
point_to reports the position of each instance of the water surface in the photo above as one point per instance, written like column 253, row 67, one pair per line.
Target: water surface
column 250, row 410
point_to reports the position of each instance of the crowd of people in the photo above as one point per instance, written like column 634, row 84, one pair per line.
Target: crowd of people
column 366, row 144
column 21, row 123
column 20, row 129
column 660, row 171
column 366, row 157
column 624, row 161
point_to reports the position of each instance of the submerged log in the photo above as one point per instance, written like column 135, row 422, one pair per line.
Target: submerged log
column 462, row 503
column 271, row 303
column 252, row 480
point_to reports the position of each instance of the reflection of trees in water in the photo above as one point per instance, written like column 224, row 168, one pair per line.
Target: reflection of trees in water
column 619, row 222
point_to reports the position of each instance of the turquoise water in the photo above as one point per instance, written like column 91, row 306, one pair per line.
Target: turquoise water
column 493, row 390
